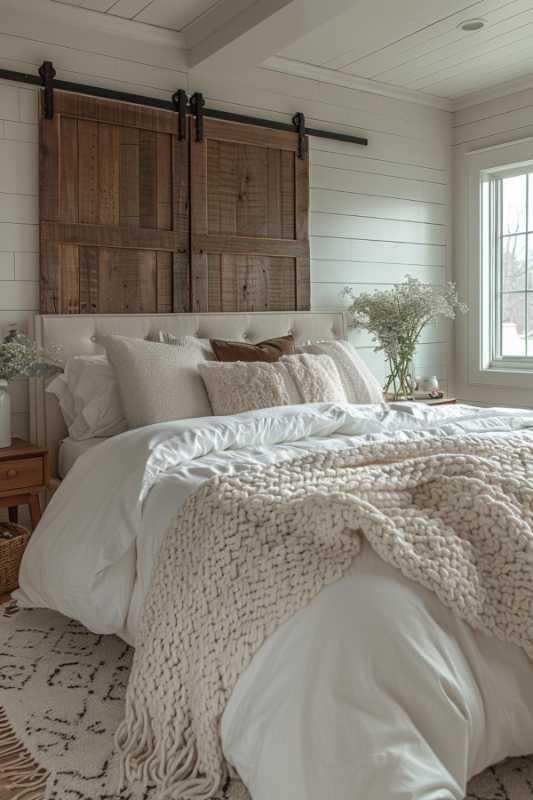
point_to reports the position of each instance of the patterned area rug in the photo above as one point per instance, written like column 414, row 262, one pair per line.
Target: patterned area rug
column 61, row 699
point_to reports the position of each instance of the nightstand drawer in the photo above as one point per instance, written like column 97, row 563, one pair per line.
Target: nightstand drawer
column 20, row 473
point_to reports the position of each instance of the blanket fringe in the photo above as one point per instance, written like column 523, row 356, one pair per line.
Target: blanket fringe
column 21, row 777
column 174, row 770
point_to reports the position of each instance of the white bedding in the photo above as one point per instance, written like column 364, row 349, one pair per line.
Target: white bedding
column 374, row 690
column 70, row 450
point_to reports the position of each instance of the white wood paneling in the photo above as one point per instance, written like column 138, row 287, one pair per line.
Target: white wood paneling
column 161, row 13
column 434, row 38
column 346, row 180
column 331, row 247
column 323, row 157
column 127, row 8
column 83, row 31
column 367, row 205
column 7, row 266
column 421, row 47
column 19, row 167
column 363, row 273
column 19, row 287
column 26, row 266
column 343, row 226
column 19, row 208
column 176, row 16
column 18, row 295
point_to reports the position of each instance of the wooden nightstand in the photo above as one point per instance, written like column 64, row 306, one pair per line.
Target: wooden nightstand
column 23, row 474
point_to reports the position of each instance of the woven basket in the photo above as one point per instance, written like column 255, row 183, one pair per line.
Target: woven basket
column 11, row 552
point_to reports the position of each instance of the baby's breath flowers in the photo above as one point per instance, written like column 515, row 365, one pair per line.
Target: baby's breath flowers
column 396, row 317
column 19, row 355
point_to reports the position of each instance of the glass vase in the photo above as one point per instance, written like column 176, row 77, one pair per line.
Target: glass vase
column 400, row 383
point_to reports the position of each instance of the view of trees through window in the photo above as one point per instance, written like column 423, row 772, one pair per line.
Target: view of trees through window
column 515, row 262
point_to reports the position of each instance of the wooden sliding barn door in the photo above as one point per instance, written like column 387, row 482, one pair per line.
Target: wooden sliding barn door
column 249, row 220
column 114, row 191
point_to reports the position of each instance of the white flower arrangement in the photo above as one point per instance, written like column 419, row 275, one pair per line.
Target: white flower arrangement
column 396, row 317
column 19, row 355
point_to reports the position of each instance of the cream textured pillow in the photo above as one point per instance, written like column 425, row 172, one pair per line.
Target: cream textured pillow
column 239, row 386
column 235, row 386
column 157, row 383
column 316, row 377
column 359, row 383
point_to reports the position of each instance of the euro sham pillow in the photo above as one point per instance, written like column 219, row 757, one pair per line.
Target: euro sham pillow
column 89, row 398
column 158, row 384
column 270, row 350
column 234, row 387
column 359, row 384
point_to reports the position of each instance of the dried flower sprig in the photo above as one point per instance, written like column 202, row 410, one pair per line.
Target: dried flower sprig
column 19, row 355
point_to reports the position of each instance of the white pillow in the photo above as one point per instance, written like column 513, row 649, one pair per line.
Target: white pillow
column 164, row 337
column 359, row 383
column 89, row 399
column 158, row 383
column 236, row 386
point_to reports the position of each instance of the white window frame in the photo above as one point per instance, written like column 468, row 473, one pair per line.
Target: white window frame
column 484, row 369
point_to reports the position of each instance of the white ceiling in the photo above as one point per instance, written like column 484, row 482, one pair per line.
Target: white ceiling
column 417, row 45
column 172, row 14
column 412, row 46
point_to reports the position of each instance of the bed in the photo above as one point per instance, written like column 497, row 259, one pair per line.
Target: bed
column 375, row 689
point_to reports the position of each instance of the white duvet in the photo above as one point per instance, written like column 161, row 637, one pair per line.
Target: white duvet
column 375, row 691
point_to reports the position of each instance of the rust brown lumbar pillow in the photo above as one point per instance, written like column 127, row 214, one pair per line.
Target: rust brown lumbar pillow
column 270, row 350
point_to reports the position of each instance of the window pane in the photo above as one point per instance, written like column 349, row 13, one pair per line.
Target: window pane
column 514, row 204
column 514, row 263
column 512, row 325
column 530, row 262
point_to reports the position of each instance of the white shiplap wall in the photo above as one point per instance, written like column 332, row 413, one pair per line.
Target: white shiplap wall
column 19, row 202
column 504, row 120
column 377, row 213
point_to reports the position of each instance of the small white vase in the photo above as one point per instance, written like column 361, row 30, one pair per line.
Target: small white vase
column 5, row 415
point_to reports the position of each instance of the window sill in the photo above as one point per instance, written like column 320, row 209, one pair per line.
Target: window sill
column 504, row 374
column 512, row 365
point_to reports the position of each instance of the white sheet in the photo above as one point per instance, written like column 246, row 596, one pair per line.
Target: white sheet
column 374, row 690
column 69, row 452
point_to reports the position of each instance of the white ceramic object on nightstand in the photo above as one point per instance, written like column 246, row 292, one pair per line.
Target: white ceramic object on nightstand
column 5, row 415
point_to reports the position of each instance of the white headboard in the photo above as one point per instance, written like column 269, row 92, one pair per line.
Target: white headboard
column 83, row 333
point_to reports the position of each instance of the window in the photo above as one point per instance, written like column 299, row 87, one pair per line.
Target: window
column 493, row 267
column 507, row 261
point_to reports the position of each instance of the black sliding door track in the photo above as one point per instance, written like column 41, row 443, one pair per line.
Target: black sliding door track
column 142, row 100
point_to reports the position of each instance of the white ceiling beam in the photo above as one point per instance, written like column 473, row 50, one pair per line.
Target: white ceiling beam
column 259, row 30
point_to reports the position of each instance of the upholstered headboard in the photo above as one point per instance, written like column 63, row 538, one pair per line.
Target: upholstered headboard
column 82, row 334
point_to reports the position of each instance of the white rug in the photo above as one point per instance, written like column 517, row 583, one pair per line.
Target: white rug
column 61, row 699
column 62, row 691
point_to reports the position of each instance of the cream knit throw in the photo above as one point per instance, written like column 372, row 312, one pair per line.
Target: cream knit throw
column 249, row 550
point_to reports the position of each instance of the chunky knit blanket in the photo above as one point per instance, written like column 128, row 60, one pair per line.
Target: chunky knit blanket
column 248, row 551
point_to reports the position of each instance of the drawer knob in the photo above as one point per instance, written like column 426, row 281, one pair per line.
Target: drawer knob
column 12, row 473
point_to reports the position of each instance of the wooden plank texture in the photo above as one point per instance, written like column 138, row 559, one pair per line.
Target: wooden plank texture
column 181, row 270
column 249, row 221
column 114, row 217
column 134, row 220
column 124, row 236
column 108, row 174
